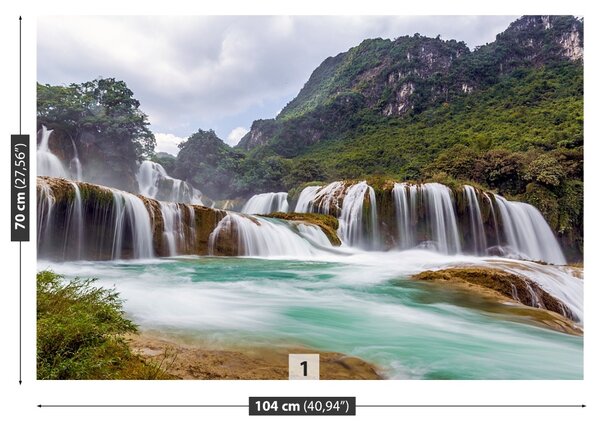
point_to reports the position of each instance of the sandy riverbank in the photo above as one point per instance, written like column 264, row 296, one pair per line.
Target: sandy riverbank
column 188, row 361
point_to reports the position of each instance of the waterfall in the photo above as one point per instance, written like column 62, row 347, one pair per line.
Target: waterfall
column 266, row 203
column 155, row 183
column 75, row 165
column 441, row 218
column 494, row 218
column 260, row 236
column 527, row 232
column 314, row 235
column 45, row 207
column 437, row 228
column 306, row 198
column 426, row 216
column 327, row 200
column 47, row 163
column 404, row 196
column 173, row 232
column 75, row 222
column 95, row 223
column 131, row 213
column 476, row 221
column 352, row 225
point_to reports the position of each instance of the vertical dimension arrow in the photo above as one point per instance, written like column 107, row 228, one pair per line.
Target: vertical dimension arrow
column 19, row 182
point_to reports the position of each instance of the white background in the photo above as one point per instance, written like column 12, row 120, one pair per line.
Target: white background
column 18, row 403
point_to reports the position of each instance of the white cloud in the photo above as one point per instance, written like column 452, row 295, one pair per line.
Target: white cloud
column 167, row 143
column 235, row 135
column 218, row 72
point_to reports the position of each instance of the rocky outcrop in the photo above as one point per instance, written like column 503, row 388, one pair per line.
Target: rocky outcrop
column 517, row 288
column 327, row 223
column 78, row 220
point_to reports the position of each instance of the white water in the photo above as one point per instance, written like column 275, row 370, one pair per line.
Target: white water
column 426, row 217
column 173, row 232
column 75, row 222
column 47, row 163
column 75, row 165
column 313, row 234
column 361, row 304
column 306, row 198
column 405, row 201
column 130, row 212
column 476, row 222
column 266, row 203
column 555, row 280
column 352, row 225
column 259, row 236
column 441, row 219
column 327, row 199
column 45, row 205
column 155, row 183
column 123, row 225
column 527, row 233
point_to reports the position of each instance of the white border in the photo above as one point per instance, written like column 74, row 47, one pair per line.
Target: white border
column 20, row 401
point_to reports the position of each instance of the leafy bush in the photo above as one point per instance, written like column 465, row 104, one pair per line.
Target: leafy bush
column 80, row 329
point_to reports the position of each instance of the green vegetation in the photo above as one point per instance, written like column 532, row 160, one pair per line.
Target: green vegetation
column 207, row 163
column 103, row 120
column 80, row 333
column 102, row 106
column 166, row 160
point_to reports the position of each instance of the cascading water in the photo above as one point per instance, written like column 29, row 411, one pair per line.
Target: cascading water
column 306, row 199
column 527, row 232
column 75, row 165
column 524, row 229
column 45, row 207
column 75, row 222
column 47, row 163
column 131, row 213
column 266, row 203
column 476, row 221
column 173, row 232
column 493, row 214
column 260, row 236
column 109, row 225
column 314, row 235
column 352, row 226
column 405, row 196
column 155, row 183
column 441, row 218
column 327, row 199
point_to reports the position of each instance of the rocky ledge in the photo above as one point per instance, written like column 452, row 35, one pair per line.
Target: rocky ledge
column 503, row 286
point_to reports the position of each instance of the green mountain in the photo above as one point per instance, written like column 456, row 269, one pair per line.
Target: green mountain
column 507, row 116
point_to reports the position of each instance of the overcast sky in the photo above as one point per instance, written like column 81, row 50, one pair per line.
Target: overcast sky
column 221, row 73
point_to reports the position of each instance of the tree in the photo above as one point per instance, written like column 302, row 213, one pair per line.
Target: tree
column 104, row 107
column 209, row 164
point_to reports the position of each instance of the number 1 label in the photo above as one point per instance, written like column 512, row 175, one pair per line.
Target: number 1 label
column 303, row 366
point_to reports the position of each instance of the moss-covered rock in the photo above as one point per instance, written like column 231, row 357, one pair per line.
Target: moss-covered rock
column 510, row 286
column 62, row 236
column 327, row 223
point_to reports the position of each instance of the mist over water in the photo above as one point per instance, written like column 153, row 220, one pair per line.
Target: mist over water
column 361, row 304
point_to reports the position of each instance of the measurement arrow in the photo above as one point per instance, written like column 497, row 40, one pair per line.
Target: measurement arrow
column 20, row 243
column 141, row 405
column 358, row 405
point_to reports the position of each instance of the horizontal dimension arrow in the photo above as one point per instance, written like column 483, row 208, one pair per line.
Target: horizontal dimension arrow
column 358, row 405
column 138, row 405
